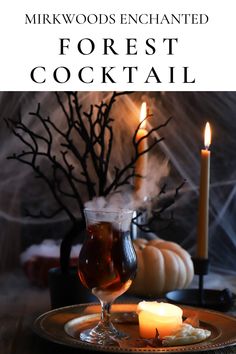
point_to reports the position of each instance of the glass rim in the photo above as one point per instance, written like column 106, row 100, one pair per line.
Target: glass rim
column 105, row 211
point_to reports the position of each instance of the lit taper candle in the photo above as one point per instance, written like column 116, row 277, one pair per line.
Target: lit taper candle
column 141, row 164
column 203, row 212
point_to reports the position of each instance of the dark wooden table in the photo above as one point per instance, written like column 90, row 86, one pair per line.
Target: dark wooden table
column 20, row 304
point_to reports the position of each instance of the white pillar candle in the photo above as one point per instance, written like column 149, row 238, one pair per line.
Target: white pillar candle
column 166, row 318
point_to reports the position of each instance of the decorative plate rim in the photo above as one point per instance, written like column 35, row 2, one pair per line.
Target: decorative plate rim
column 76, row 343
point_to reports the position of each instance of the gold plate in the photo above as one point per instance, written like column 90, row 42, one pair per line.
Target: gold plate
column 63, row 326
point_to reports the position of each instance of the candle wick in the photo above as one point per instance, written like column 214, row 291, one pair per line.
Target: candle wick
column 207, row 146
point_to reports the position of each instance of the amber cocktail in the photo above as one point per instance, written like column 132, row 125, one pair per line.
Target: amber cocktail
column 107, row 266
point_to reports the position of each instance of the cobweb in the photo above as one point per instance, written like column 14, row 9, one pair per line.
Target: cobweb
column 181, row 148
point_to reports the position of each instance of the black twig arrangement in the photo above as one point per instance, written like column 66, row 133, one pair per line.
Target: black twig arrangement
column 158, row 206
column 87, row 139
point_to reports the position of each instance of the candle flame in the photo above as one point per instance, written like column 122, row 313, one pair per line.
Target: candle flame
column 207, row 136
column 143, row 114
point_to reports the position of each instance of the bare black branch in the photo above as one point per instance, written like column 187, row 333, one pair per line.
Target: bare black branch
column 78, row 169
column 160, row 213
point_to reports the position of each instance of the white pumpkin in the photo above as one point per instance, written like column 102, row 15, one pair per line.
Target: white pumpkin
column 162, row 266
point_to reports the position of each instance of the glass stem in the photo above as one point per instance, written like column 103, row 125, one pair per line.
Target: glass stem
column 105, row 315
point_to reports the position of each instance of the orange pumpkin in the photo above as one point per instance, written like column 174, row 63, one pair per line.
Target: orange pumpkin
column 162, row 266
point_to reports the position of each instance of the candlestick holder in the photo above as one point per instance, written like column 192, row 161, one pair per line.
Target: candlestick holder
column 220, row 300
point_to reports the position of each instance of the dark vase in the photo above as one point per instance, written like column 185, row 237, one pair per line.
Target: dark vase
column 66, row 288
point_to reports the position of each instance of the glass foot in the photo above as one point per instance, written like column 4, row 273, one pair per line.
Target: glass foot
column 103, row 335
